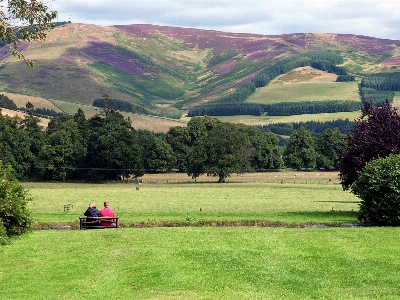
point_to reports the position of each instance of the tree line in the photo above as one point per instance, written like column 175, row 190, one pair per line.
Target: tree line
column 107, row 147
column 275, row 109
column 119, row 105
column 316, row 128
column 379, row 88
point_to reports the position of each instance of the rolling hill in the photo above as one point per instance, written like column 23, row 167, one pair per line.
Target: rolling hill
column 168, row 70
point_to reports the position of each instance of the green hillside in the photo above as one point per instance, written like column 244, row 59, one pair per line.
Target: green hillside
column 166, row 71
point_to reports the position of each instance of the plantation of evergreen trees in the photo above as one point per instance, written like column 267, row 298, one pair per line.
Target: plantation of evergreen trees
column 234, row 104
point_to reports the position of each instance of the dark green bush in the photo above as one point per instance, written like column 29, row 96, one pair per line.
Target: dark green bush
column 14, row 214
column 3, row 235
column 378, row 187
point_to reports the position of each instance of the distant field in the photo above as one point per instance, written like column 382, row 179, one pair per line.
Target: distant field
column 304, row 91
column 38, row 102
column 12, row 113
column 265, row 120
column 287, row 197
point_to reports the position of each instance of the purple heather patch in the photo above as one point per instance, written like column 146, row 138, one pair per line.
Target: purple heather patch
column 228, row 86
column 368, row 44
column 5, row 51
column 42, row 74
column 253, row 45
column 247, row 44
column 119, row 58
column 395, row 61
column 225, row 67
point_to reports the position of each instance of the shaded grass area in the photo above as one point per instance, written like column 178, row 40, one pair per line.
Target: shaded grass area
column 203, row 263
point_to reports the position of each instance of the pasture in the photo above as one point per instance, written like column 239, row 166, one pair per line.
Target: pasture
column 296, row 242
column 265, row 119
column 176, row 198
column 304, row 91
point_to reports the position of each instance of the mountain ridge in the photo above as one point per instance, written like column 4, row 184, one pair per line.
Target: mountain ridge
column 170, row 69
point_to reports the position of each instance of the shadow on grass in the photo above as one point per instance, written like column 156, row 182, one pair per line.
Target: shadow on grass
column 338, row 201
column 330, row 213
column 328, row 217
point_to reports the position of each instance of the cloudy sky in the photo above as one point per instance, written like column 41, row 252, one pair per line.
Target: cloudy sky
column 376, row 18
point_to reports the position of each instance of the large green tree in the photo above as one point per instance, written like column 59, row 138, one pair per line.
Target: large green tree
column 300, row 152
column 15, row 218
column 267, row 153
column 113, row 151
column 161, row 158
column 15, row 147
column 63, row 154
column 197, row 153
column 217, row 149
column 377, row 186
column 229, row 151
column 376, row 134
column 179, row 139
column 147, row 141
column 330, row 146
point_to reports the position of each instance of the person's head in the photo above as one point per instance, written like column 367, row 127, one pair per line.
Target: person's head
column 92, row 204
column 106, row 204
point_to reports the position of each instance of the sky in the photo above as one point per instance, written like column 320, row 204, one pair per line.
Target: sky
column 375, row 18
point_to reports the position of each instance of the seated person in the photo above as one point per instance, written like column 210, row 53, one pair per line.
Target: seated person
column 92, row 211
column 107, row 212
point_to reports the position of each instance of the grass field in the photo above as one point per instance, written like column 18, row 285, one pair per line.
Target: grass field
column 169, row 249
column 265, row 120
column 304, row 91
column 176, row 199
column 203, row 263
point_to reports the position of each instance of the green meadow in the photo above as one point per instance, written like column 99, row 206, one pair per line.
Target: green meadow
column 276, row 93
column 264, row 236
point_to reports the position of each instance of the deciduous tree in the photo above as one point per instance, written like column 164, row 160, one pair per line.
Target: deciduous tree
column 24, row 20
column 113, row 150
column 15, row 218
column 376, row 134
column 330, row 146
column 377, row 186
column 300, row 152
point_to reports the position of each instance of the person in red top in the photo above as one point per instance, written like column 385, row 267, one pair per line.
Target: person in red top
column 106, row 212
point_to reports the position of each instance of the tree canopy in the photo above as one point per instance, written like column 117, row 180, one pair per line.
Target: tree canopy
column 376, row 134
column 24, row 20
column 377, row 186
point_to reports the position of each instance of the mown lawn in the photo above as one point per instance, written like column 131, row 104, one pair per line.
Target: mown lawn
column 273, row 197
column 311, row 252
column 203, row 263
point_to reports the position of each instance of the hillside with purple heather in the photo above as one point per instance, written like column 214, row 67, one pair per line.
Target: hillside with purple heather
column 166, row 70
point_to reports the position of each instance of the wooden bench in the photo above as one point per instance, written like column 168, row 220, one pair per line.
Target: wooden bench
column 93, row 222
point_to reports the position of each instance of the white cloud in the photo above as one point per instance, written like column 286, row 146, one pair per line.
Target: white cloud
column 367, row 17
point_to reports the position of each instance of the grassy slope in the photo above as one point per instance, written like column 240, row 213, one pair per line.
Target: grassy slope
column 305, row 84
column 176, row 72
